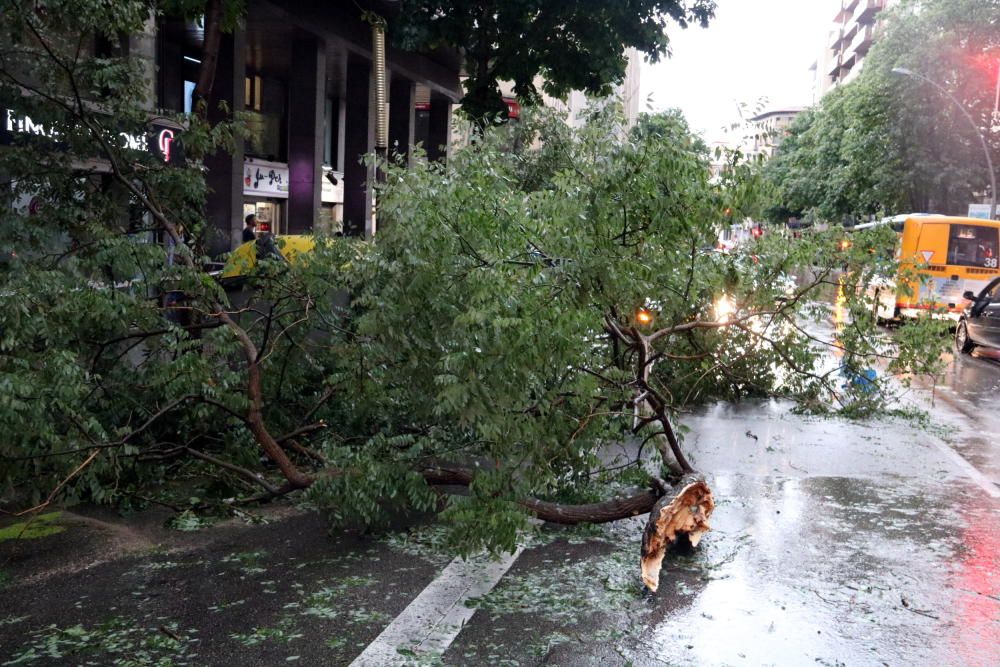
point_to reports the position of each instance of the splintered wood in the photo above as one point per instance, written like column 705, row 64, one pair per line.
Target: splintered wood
column 684, row 513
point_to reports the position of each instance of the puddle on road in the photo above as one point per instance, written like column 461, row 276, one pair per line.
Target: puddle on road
column 837, row 571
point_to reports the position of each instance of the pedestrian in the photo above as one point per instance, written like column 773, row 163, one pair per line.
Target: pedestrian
column 249, row 233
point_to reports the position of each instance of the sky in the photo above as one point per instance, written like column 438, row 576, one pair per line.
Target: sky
column 753, row 49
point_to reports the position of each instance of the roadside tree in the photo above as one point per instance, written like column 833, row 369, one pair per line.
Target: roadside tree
column 885, row 143
column 570, row 45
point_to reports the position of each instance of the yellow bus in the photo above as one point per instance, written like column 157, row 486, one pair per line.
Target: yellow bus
column 946, row 257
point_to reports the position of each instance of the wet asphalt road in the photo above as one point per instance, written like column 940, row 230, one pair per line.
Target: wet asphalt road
column 860, row 545
column 834, row 543
column 854, row 543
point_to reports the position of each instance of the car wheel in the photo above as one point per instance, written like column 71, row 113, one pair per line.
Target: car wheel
column 963, row 343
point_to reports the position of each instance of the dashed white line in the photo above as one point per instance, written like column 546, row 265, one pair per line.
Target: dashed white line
column 429, row 625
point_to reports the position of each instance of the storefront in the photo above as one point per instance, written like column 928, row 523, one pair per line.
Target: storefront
column 299, row 77
column 265, row 194
column 159, row 138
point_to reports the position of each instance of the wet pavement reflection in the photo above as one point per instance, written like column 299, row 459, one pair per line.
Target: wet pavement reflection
column 840, row 543
column 842, row 571
column 834, row 543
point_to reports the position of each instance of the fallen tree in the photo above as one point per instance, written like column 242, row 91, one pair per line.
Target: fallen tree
column 523, row 311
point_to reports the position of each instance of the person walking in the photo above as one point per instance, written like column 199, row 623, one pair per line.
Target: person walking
column 249, row 231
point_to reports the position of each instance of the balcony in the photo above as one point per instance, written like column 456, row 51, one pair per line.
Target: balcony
column 867, row 11
column 847, row 64
column 846, row 11
column 849, row 35
column 838, row 38
column 862, row 42
column 835, row 70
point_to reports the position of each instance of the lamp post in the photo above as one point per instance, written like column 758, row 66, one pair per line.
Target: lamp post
column 996, row 100
column 982, row 140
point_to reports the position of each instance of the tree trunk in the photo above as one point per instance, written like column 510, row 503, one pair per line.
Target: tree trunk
column 209, row 57
column 605, row 512
column 680, row 510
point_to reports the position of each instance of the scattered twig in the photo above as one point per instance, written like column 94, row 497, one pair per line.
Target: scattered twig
column 308, row 452
column 39, row 507
column 922, row 613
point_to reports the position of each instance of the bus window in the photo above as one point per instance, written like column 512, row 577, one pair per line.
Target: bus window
column 972, row 245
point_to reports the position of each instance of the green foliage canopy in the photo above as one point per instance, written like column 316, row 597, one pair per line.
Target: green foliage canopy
column 886, row 143
column 576, row 45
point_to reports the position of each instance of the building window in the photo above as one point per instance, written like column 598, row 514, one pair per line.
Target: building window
column 252, row 92
column 188, row 96
column 265, row 117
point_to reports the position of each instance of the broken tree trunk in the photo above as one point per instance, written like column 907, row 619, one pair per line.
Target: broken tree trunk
column 682, row 510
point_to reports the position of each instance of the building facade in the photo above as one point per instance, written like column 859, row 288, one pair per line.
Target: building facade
column 576, row 102
column 769, row 130
column 302, row 75
column 855, row 27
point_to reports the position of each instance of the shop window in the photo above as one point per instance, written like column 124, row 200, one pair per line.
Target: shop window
column 265, row 117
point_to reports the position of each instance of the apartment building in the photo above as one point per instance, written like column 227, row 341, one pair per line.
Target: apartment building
column 768, row 131
column 855, row 27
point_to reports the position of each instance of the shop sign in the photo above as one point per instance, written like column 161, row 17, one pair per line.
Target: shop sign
column 979, row 211
column 513, row 107
column 159, row 140
column 332, row 191
column 265, row 179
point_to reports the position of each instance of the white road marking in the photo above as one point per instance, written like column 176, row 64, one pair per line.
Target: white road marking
column 431, row 622
column 970, row 470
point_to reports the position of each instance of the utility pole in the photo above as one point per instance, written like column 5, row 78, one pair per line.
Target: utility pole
column 996, row 102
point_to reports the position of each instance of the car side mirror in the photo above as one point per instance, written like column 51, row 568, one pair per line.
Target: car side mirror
column 969, row 296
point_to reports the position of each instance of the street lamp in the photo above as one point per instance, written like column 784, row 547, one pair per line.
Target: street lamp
column 982, row 140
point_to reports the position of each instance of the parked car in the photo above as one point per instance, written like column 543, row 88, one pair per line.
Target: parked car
column 979, row 323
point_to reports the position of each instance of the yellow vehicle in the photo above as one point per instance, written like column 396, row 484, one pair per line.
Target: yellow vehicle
column 945, row 257
column 242, row 261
